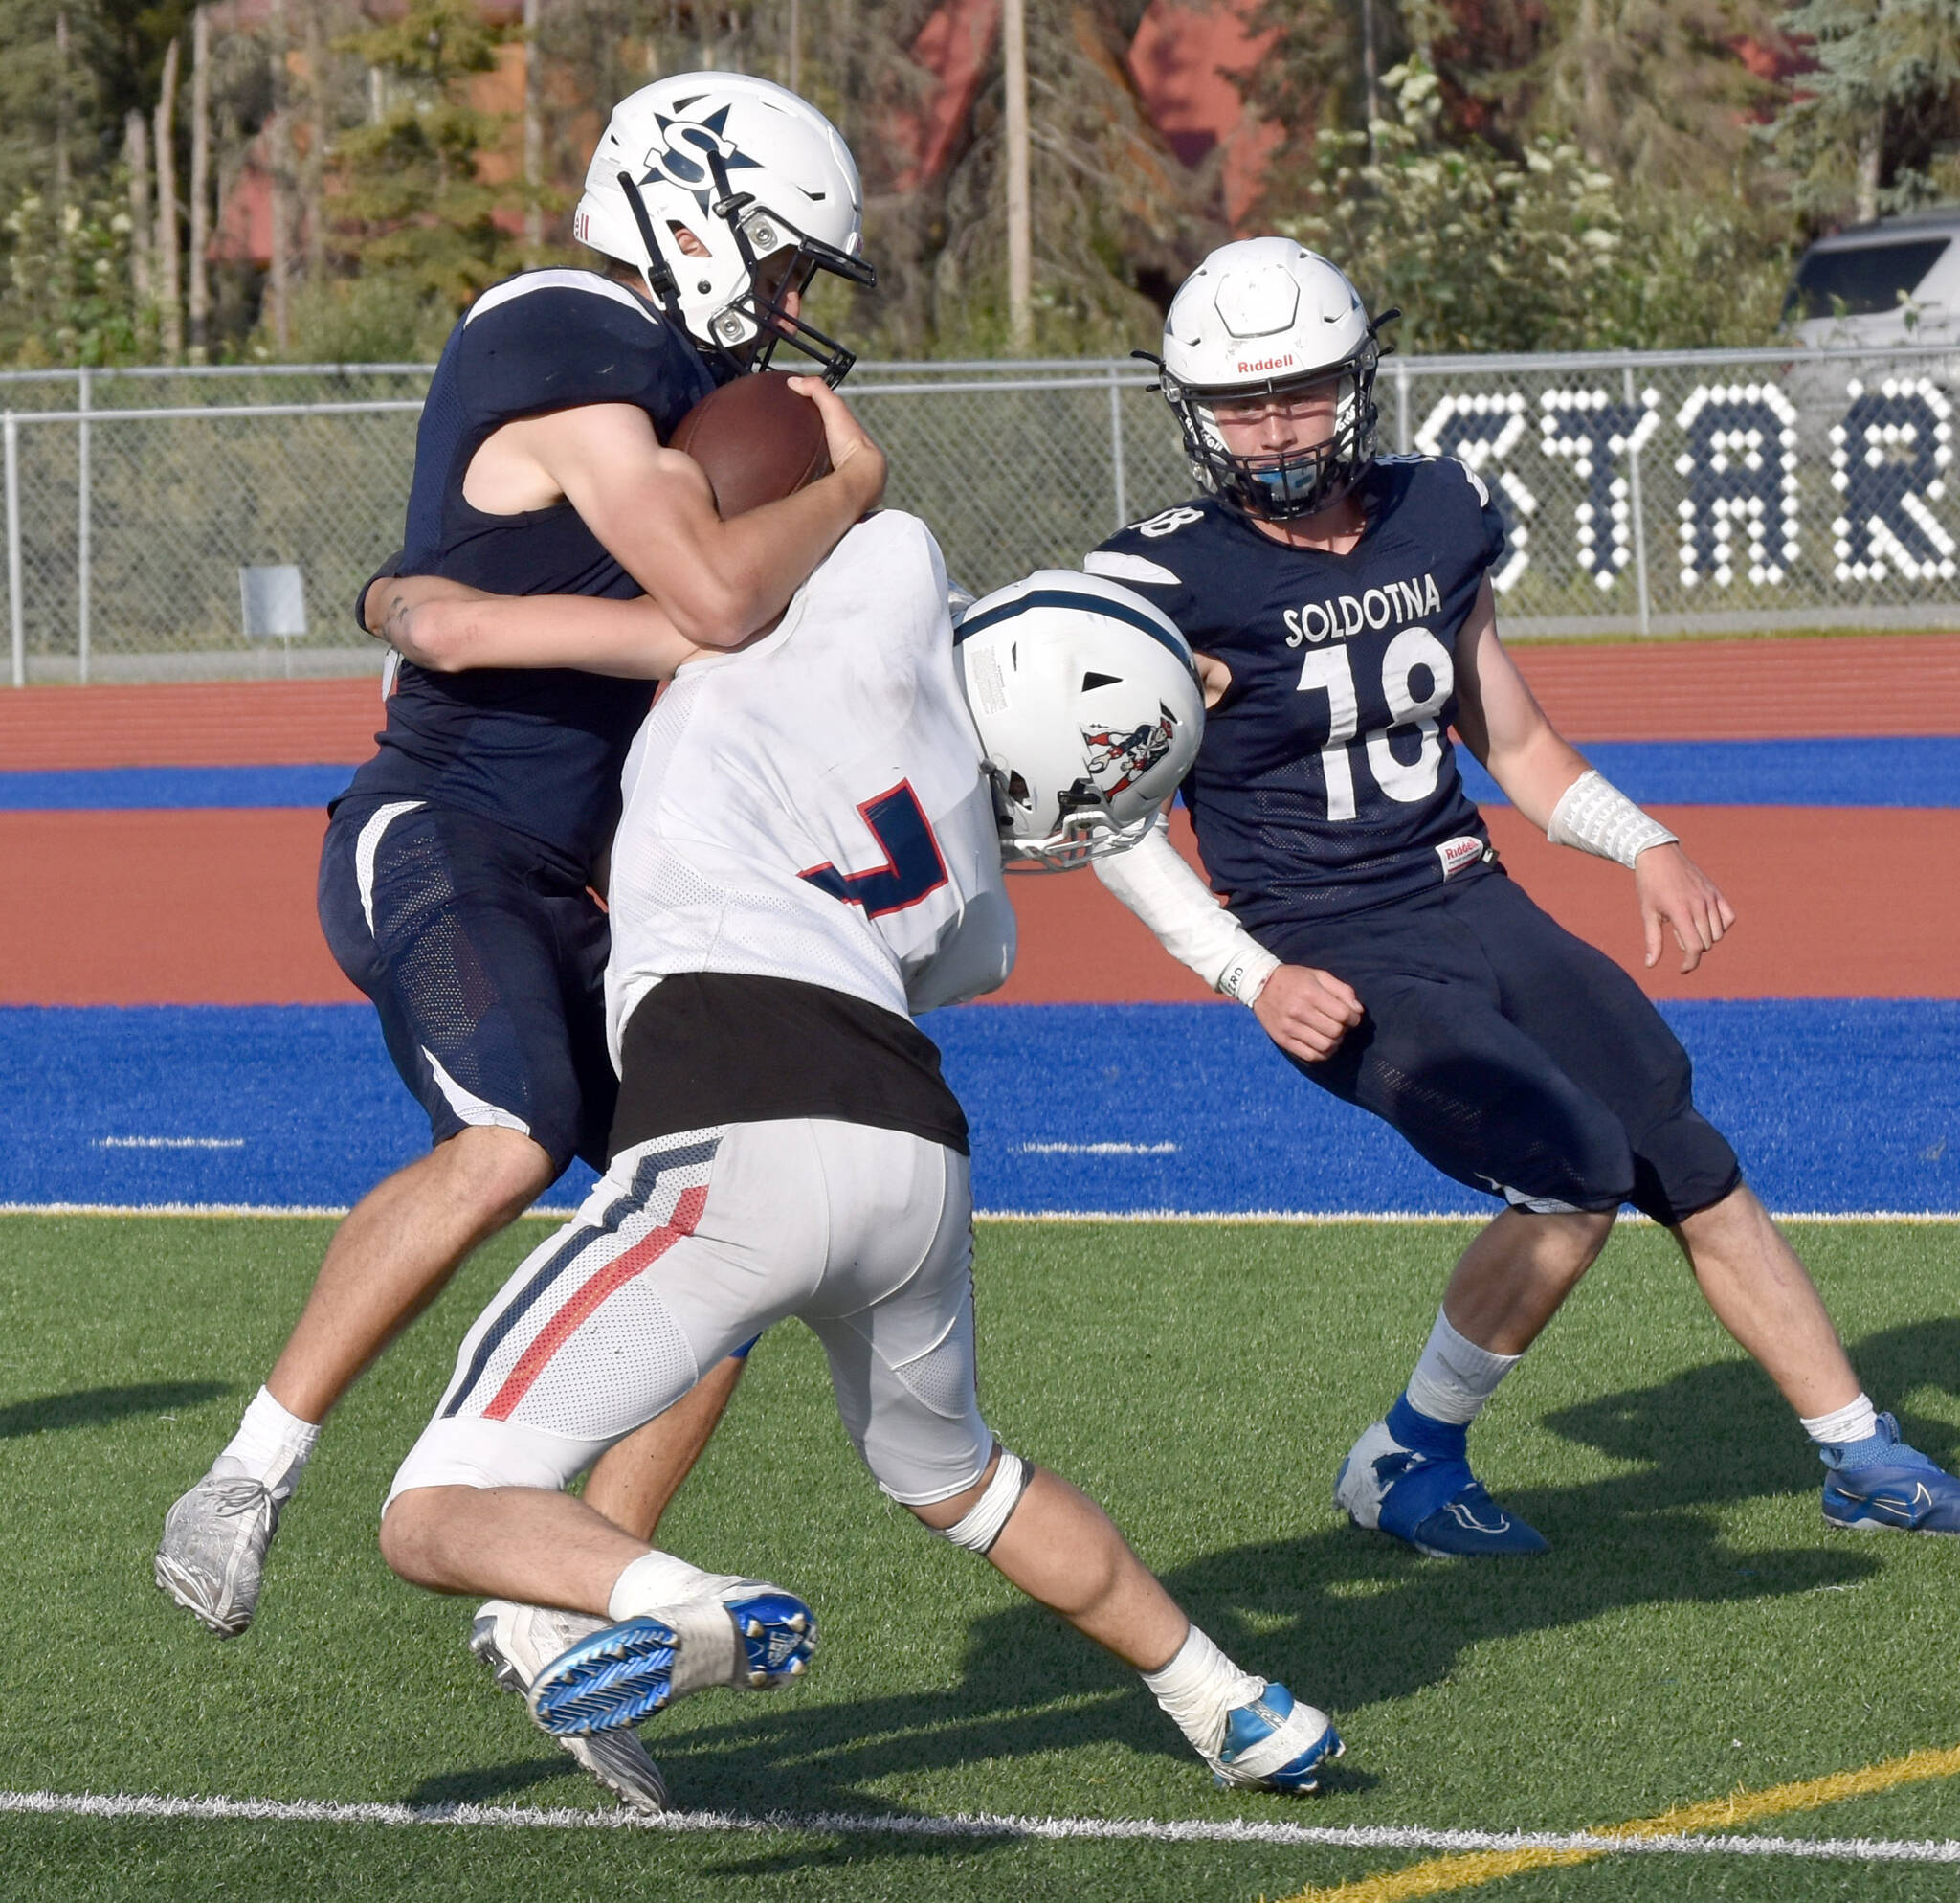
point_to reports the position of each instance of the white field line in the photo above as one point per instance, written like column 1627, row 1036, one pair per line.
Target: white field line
column 169, row 1143
column 146, row 1808
column 1096, row 1150
column 1219, row 1218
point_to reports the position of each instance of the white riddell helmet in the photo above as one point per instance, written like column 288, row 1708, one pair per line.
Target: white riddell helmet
column 1257, row 316
column 752, row 171
column 1089, row 712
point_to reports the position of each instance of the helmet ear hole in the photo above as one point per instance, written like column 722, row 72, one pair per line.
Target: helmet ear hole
column 1017, row 789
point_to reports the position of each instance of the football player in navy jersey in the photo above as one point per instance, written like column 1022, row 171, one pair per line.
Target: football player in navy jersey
column 455, row 878
column 1340, row 603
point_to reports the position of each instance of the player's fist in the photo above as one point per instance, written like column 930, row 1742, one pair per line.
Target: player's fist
column 852, row 453
column 1676, row 894
column 1307, row 1012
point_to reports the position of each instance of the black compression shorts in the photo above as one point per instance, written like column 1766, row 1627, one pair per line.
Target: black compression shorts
column 486, row 960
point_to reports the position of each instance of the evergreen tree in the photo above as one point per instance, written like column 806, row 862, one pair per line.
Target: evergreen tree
column 412, row 206
column 1876, row 126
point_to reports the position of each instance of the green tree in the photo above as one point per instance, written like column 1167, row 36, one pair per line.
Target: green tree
column 1484, row 252
column 1876, row 126
column 67, row 299
column 416, row 226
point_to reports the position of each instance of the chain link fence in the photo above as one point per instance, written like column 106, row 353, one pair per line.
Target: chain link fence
column 1644, row 494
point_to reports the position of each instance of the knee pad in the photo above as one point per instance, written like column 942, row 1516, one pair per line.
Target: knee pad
column 986, row 1518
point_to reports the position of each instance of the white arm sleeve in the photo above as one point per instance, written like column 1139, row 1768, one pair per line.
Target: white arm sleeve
column 1152, row 879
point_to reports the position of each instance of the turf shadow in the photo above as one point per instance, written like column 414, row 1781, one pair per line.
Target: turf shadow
column 1350, row 1619
column 99, row 1407
column 1720, row 1432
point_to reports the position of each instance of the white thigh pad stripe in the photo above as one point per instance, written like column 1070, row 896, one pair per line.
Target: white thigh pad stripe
column 369, row 844
column 468, row 1106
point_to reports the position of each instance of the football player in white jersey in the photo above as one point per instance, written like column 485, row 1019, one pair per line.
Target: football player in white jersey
column 809, row 853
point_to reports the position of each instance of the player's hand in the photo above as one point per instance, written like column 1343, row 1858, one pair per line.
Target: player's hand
column 1213, row 677
column 852, row 453
column 1676, row 894
column 1307, row 1012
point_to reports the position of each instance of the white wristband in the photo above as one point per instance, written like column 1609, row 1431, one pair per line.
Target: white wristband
column 1250, row 966
column 1596, row 816
column 1153, row 880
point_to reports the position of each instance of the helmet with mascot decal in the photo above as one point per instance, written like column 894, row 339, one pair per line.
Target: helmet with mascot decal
column 1088, row 708
column 1266, row 318
column 765, row 184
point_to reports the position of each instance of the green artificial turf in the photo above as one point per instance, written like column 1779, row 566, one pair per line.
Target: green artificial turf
column 1693, row 1630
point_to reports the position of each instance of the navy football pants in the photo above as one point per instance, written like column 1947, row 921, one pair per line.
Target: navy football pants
column 486, row 960
column 1514, row 1057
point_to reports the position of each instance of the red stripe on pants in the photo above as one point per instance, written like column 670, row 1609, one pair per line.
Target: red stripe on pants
column 616, row 1273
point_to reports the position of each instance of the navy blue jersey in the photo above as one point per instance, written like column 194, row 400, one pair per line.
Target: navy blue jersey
column 1326, row 782
column 537, row 748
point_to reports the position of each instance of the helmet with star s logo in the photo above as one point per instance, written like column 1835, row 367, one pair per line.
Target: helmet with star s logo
column 766, row 186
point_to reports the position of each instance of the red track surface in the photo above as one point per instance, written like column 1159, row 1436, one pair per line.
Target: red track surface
column 1673, row 690
column 201, row 723
column 218, row 906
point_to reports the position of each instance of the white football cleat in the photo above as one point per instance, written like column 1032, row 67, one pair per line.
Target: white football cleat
column 212, row 1552
column 517, row 1642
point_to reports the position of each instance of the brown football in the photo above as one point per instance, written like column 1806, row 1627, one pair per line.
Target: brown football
column 757, row 440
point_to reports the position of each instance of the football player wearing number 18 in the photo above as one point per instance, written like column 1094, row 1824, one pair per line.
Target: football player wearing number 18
column 1341, row 604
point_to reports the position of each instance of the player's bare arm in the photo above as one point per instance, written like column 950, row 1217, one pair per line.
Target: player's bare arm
column 1501, row 722
column 653, row 511
column 449, row 628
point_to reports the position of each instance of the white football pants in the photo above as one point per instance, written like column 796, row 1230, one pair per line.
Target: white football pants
column 691, row 1244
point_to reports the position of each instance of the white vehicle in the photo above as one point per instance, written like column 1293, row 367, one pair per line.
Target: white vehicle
column 1896, row 281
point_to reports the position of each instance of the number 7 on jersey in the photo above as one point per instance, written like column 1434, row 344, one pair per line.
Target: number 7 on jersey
column 913, row 867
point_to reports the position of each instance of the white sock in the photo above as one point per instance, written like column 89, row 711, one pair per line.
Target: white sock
column 271, row 1447
column 1455, row 1376
column 1199, row 1687
column 1856, row 1420
column 658, row 1580
column 684, row 1597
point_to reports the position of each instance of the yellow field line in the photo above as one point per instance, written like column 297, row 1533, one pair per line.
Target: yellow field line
column 1436, row 1876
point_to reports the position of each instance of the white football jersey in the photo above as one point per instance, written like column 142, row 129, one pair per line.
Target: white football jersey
column 813, row 806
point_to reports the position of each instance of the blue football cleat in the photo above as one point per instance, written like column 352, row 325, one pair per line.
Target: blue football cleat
column 1436, row 1504
column 777, row 1634
column 1901, row 1492
column 1275, row 1744
column 750, row 1636
column 619, row 1676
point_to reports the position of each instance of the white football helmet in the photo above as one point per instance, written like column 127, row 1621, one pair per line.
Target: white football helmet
column 752, row 171
column 1261, row 315
column 1089, row 712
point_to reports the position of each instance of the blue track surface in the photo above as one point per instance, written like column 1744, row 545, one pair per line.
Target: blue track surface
column 1766, row 772
column 126, row 789
column 1714, row 773
column 1833, row 1104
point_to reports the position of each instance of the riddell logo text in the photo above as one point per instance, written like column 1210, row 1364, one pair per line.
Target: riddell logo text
column 1285, row 362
